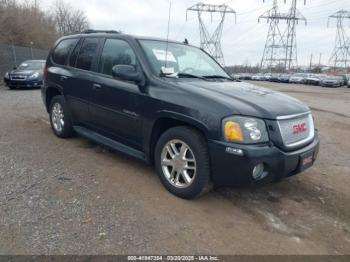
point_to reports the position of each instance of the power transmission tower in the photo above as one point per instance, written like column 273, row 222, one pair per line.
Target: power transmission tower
column 275, row 46
column 340, row 57
column 281, row 48
column 294, row 17
column 211, row 42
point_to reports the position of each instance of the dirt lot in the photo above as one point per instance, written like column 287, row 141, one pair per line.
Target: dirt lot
column 75, row 197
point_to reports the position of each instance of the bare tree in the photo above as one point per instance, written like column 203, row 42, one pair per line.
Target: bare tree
column 23, row 23
column 69, row 20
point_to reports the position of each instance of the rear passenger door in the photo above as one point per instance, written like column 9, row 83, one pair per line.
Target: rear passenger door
column 114, row 103
column 82, row 61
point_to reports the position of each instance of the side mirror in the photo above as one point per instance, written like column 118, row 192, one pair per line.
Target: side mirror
column 127, row 73
column 14, row 67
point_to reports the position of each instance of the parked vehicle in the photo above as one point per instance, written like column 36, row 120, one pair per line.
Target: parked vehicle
column 284, row 78
column 274, row 78
column 332, row 81
column 246, row 76
column 267, row 76
column 298, row 78
column 314, row 79
column 173, row 106
column 343, row 79
column 258, row 77
column 29, row 74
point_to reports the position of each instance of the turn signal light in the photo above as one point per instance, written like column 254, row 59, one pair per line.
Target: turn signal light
column 233, row 131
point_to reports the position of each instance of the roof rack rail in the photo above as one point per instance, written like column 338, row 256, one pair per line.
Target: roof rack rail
column 91, row 31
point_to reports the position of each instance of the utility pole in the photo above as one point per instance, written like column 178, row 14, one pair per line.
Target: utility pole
column 319, row 60
column 340, row 57
column 275, row 47
column 291, row 41
column 211, row 42
column 311, row 57
column 31, row 49
column 14, row 53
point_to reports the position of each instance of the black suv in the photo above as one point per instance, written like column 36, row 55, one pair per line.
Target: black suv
column 172, row 105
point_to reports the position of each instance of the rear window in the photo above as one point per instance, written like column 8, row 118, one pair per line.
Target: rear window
column 62, row 50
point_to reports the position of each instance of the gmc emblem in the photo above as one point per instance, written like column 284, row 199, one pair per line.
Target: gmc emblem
column 299, row 128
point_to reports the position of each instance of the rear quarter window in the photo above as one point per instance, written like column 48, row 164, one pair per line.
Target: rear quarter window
column 62, row 50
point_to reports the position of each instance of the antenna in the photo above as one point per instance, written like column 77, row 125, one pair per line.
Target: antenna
column 167, row 37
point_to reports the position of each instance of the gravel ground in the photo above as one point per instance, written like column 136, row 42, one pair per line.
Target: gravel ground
column 75, row 197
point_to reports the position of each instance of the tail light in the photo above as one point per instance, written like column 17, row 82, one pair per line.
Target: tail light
column 44, row 72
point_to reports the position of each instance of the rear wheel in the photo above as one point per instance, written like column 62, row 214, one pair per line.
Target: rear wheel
column 182, row 162
column 60, row 118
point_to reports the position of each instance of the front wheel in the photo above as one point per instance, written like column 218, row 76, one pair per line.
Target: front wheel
column 182, row 162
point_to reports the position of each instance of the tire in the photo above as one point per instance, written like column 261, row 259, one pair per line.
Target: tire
column 197, row 155
column 12, row 87
column 60, row 119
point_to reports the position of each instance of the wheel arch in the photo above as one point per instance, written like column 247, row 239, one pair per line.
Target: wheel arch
column 51, row 92
column 165, row 122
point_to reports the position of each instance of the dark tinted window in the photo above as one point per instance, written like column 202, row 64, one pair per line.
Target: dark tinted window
column 87, row 53
column 115, row 52
column 74, row 55
column 62, row 51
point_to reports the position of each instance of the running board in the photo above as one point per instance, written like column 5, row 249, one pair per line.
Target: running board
column 109, row 142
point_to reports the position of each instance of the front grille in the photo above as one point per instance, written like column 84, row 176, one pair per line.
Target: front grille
column 296, row 130
column 18, row 77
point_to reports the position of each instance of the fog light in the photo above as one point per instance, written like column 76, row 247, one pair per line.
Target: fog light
column 259, row 172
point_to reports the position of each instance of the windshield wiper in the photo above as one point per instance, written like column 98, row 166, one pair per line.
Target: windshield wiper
column 183, row 75
column 186, row 75
column 217, row 77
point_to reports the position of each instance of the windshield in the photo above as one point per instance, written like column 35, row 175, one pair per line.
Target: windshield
column 177, row 59
column 31, row 66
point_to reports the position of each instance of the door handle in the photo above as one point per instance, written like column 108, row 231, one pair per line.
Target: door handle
column 96, row 86
column 63, row 78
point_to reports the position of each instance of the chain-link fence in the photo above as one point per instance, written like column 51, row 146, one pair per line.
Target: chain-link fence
column 12, row 55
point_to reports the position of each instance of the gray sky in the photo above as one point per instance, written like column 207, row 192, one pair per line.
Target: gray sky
column 241, row 42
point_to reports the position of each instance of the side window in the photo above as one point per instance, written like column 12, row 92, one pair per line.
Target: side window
column 115, row 52
column 73, row 57
column 87, row 53
column 62, row 50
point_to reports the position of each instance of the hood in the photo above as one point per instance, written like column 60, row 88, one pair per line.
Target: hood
column 23, row 72
column 331, row 80
column 245, row 99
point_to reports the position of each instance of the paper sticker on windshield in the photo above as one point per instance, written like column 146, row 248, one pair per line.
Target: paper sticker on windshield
column 162, row 55
column 168, row 70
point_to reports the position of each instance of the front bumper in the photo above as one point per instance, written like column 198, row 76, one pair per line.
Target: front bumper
column 330, row 84
column 234, row 170
column 27, row 83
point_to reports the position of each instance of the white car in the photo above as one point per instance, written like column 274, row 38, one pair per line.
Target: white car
column 258, row 77
column 298, row 78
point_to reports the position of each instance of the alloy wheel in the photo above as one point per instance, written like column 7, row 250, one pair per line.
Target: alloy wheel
column 178, row 163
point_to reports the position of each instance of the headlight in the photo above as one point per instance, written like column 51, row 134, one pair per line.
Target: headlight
column 245, row 130
column 7, row 76
column 35, row 75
